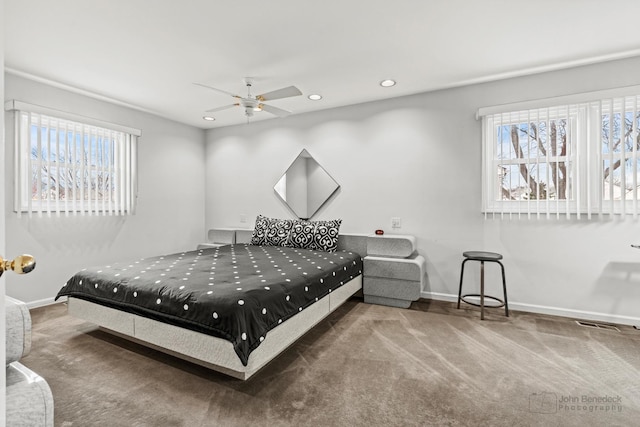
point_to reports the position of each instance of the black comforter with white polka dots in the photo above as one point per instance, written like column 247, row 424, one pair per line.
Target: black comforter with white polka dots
column 235, row 292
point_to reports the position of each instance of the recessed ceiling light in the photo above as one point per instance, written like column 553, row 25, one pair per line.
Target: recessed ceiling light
column 208, row 118
column 388, row 83
column 315, row 97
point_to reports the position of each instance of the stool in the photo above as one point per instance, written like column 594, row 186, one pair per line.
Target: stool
column 483, row 257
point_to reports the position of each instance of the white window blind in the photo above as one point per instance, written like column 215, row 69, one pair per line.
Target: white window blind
column 562, row 159
column 73, row 166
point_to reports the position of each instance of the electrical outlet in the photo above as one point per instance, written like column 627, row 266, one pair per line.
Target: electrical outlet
column 396, row 222
column 243, row 218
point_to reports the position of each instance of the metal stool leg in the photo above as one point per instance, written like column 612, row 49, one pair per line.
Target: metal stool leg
column 504, row 289
column 481, row 290
column 460, row 288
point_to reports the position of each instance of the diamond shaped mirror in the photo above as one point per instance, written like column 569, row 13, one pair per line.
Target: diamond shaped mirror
column 305, row 186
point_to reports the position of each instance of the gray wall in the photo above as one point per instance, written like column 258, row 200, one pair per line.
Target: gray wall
column 170, row 212
column 419, row 158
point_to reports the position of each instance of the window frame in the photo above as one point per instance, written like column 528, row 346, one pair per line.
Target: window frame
column 585, row 158
column 81, row 135
column 492, row 162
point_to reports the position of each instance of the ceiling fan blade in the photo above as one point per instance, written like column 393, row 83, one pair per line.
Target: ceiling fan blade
column 219, row 90
column 280, row 93
column 213, row 110
column 274, row 110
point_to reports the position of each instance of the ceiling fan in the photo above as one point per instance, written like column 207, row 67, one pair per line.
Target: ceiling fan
column 252, row 104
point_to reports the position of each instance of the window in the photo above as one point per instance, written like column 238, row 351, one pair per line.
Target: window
column 562, row 159
column 72, row 166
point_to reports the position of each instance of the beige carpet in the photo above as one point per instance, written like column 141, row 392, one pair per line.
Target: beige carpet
column 365, row 365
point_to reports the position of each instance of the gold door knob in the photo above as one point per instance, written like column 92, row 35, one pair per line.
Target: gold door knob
column 21, row 264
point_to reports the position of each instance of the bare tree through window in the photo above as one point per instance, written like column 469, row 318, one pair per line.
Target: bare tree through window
column 534, row 162
column 535, row 166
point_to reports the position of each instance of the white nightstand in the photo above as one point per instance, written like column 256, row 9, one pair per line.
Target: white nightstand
column 393, row 273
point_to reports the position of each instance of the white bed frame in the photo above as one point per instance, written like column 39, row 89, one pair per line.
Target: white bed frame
column 212, row 352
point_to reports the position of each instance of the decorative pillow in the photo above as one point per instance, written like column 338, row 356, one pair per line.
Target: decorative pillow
column 301, row 235
column 278, row 232
column 325, row 235
column 260, row 230
column 314, row 235
column 271, row 231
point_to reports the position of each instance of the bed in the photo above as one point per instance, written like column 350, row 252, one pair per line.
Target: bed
column 231, row 308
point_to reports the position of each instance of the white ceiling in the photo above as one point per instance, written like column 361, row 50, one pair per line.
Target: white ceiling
column 148, row 53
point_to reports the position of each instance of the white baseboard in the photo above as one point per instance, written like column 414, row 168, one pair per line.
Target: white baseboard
column 44, row 302
column 554, row 311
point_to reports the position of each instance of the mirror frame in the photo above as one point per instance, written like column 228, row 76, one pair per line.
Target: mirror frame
column 304, row 156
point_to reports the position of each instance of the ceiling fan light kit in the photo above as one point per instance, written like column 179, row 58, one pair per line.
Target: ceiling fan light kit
column 252, row 104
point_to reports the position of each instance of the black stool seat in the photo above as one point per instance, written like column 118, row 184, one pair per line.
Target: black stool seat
column 483, row 257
